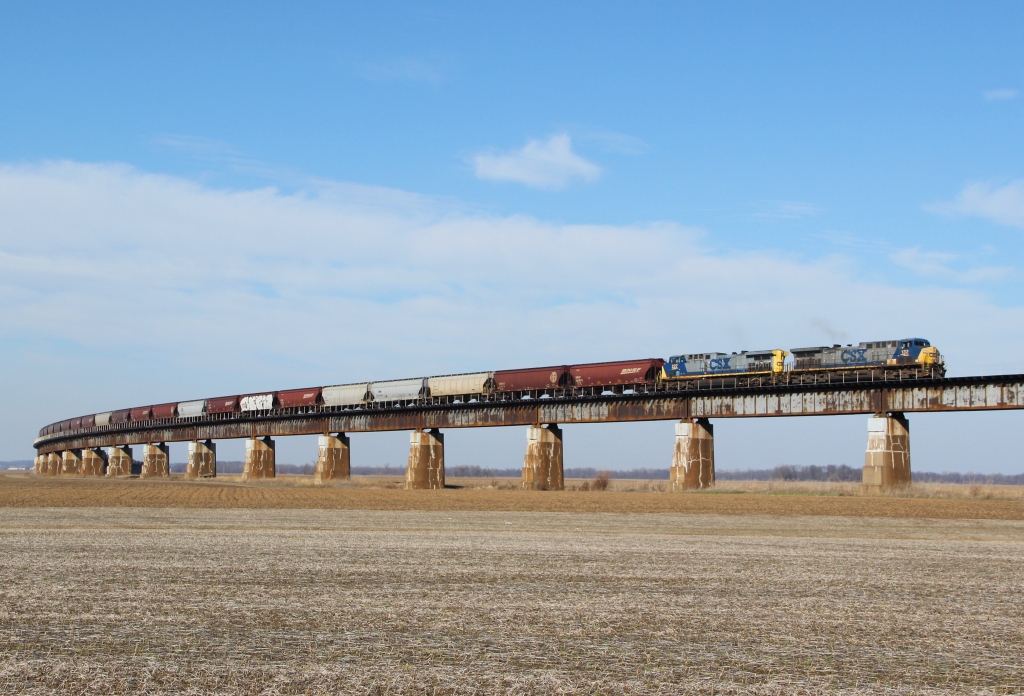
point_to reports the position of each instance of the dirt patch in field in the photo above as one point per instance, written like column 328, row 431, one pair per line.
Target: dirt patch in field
column 287, row 492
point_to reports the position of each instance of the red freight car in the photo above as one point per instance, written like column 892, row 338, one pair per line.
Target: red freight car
column 120, row 416
column 531, row 379
column 613, row 373
column 165, row 411
column 89, row 421
column 65, row 426
column 142, row 413
column 223, row 404
column 75, row 424
column 298, row 397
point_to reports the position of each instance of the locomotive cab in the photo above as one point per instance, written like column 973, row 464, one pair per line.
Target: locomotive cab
column 914, row 350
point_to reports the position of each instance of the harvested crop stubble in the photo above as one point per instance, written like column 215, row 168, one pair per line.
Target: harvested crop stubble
column 316, row 601
column 74, row 491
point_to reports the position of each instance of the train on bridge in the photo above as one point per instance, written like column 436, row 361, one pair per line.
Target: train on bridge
column 910, row 358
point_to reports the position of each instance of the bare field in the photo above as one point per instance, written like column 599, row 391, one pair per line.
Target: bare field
column 381, row 493
column 246, row 601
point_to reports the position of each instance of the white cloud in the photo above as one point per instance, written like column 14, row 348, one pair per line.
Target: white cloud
column 218, row 154
column 1001, row 204
column 938, row 265
column 542, row 164
column 1001, row 94
column 357, row 278
column 119, row 287
column 786, row 210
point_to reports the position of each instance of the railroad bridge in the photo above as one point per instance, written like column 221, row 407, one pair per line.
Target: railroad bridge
column 107, row 449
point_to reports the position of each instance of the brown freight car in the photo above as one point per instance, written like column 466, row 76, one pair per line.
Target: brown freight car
column 222, row 404
column 75, row 424
column 89, row 421
column 531, row 379
column 142, row 413
column 299, row 397
column 165, row 410
column 120, row 416
column 608, row 374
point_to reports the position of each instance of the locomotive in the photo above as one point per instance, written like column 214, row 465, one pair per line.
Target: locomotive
column 908, row 358
column 911, row 357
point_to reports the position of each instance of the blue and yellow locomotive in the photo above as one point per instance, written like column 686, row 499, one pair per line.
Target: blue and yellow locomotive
column 908, row 357
column 745, row 362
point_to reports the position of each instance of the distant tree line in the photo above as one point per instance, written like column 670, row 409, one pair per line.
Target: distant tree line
column 830, row 472
column 785, row 472
column 239, row 467
column 842, row 472
column 969, row 477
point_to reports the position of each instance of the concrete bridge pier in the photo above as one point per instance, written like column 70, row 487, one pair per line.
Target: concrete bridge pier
column 156, row 461
column 202, row 460
column 53, row 463
column 119, row 461
column 333, row 461
column 542, row 466
column 71, row 462
column 887, row 458
column 260, row 462
column 426, row 460
column 693, row 463
column 94, row 462
column 38, row 463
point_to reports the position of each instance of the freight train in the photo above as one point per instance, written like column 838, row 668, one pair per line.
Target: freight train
column 910, row 358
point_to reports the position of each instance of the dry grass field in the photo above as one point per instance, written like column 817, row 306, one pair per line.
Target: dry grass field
column 263, row 601
column 380, row 493
column 225, row 587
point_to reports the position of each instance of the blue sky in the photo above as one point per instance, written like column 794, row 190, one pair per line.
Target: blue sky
column 202, row 199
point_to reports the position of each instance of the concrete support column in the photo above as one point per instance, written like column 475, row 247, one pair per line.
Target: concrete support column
column 333, row 461
column 542, row 466
column 259, row 459
column 119, row 461
column 887, row 459
column 72, row 462
column 202, row 460
column 693, row 463
column 426, row 460
column 156, row 461
column 53, row 463
column 94, row 463
column 38, row 464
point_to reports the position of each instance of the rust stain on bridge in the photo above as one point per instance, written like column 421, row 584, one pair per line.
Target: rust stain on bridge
column 958, row 394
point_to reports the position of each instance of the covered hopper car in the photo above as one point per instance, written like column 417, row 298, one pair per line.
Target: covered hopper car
column 531, row 379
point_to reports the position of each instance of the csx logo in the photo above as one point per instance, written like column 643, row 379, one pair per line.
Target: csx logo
column 854, row 356
column 629, row 370
column 719, row 363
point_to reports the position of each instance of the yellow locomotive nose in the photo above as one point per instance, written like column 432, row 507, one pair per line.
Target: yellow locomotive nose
column 779, row 360
column 928, row 356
